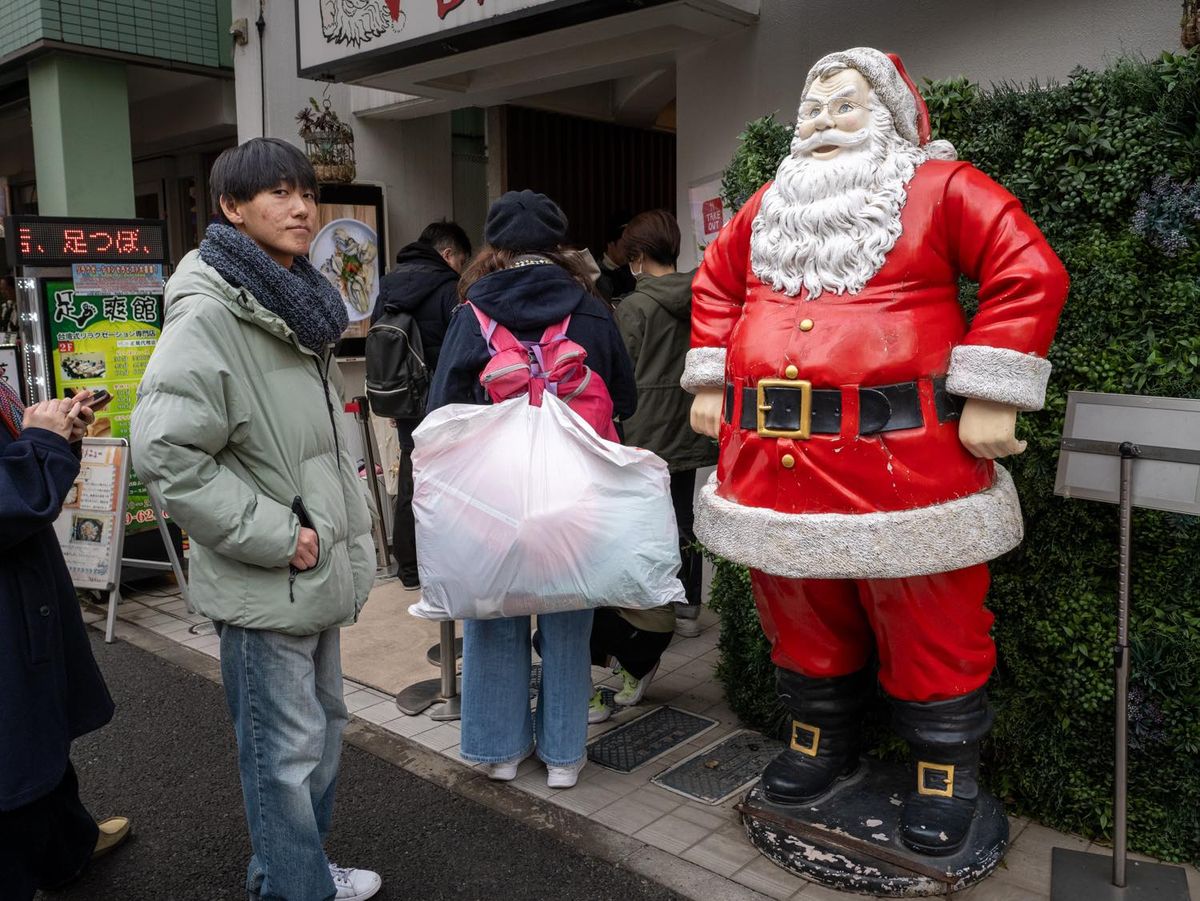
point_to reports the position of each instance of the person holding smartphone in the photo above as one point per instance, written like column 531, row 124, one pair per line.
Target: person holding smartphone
column 53, row 690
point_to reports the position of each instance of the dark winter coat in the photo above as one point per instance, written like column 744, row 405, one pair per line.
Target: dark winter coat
column 656, row 323
column 424, row 286
column 51, row 690
column 525, row 300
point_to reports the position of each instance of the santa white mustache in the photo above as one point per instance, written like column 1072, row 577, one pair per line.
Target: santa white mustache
column 831, row 138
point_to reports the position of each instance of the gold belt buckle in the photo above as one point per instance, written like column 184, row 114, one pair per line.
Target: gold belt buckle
column 805, row 389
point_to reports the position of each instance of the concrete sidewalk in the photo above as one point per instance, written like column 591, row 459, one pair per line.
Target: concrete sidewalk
column 702, row 849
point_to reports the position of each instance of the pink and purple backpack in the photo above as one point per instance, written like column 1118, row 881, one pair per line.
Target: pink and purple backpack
column 553, row 363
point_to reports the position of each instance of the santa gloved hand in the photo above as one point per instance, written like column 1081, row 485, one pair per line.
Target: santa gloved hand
column 706, row 411
column 989, row 429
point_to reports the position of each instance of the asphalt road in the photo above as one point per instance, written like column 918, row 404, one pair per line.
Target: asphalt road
column 168, row 761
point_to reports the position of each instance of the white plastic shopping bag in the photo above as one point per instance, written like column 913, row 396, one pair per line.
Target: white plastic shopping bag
column 522, row 509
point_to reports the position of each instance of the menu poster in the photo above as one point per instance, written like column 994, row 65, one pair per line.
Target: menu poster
column 87, row 526
column 105, row 341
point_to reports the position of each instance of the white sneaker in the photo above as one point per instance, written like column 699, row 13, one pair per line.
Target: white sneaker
column 563, row 776
column 505, row 771
column 354, row 885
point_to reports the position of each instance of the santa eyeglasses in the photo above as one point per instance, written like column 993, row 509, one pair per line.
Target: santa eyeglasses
column 839, row 109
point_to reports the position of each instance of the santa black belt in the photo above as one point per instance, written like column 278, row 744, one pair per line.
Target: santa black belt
column 789, row 408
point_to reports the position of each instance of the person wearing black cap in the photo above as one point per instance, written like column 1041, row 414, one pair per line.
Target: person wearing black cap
column 522, row 280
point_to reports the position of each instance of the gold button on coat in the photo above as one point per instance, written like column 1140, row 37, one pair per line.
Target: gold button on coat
column 791, row 372
column 788, row 461
column 806, row 325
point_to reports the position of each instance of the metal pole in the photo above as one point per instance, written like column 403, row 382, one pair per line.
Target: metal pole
column 363, row 415
column 452, row 708
column 1121, row 661
column 449, row 661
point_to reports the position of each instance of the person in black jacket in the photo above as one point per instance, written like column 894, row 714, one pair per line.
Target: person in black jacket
column 52, row 689
column 523, row 281
column 425, row 285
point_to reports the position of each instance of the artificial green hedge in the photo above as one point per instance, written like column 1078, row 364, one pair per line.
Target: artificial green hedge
column 1108, row 165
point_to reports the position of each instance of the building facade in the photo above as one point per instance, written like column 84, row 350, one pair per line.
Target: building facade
column 115, row 108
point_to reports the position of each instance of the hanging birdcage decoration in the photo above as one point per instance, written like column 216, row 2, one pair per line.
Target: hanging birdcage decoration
column 328, row 142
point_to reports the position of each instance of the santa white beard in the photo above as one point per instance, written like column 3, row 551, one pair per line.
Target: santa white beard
column 828, row 225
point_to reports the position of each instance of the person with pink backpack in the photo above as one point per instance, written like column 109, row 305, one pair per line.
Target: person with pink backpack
column 530, row 323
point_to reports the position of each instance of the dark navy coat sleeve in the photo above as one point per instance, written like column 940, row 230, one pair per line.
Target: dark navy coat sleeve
column 464, row 354
column 36, row 472
column 594, row 327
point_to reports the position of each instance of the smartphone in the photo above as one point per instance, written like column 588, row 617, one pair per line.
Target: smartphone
column 99, row 397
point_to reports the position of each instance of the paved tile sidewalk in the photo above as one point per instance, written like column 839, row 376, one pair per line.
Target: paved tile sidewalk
column 709, row 837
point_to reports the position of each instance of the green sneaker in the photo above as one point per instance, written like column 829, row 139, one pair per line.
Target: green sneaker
column 634, row 689
column 598, row 711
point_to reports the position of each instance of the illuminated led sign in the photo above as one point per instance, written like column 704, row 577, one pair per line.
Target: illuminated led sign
column 55, row 241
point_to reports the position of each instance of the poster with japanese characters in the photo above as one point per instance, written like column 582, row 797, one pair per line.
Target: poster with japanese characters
column 104, row 341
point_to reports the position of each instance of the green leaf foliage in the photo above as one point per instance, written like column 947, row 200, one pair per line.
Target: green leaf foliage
column 1108, row 166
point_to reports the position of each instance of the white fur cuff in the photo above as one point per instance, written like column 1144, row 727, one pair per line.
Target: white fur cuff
column 894, row 545
column 704, row 368
column 999, row 374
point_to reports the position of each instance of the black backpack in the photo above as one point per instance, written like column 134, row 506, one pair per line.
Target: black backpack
column 397, row 377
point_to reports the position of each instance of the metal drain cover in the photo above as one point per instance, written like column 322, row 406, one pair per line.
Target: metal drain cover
column 721, row 770
column 639, row 741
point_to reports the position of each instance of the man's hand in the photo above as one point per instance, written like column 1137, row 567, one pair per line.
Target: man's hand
column 989, row 429
column 57, row 416
column 307, row 549
column 706, row 411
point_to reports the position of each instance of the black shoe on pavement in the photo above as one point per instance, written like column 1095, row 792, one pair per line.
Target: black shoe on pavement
column 412, row 583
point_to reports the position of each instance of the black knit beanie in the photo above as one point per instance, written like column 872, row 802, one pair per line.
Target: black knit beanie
column 525, row 220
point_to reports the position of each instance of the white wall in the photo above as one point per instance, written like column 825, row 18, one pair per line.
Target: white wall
column 411, row 159
column 761, row 69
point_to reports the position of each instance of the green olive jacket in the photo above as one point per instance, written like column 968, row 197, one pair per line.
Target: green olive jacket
column 237, row 426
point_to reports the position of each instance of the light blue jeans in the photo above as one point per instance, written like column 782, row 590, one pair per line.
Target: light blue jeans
column 496, row 725
column 285, row 697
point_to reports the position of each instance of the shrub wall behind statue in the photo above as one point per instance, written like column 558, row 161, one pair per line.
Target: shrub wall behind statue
column 1108, row 165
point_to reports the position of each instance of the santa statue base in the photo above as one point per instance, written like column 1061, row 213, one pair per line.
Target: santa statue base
column 848, row 839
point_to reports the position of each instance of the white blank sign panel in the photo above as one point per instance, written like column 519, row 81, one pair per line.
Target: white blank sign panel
column 1160, row 422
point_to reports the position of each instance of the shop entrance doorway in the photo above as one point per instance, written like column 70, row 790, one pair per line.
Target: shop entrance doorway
column 591, row 169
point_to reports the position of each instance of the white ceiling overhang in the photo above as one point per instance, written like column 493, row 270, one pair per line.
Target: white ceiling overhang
column 518, row 49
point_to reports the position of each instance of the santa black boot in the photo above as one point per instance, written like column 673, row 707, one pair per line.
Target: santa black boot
column 824, row 738
column 944, row 738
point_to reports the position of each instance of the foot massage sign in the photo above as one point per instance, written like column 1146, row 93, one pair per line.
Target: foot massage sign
column 105, row 341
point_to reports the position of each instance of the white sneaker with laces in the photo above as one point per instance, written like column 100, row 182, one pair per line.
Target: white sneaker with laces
column 564, row 776
column 354, row 885
column 505, row 771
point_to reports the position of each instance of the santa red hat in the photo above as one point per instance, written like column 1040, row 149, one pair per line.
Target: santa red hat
column 886, row 75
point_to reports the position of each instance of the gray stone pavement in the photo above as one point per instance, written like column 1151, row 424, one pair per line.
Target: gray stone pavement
column 697, row 850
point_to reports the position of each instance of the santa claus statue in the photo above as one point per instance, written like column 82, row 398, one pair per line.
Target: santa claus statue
column 859, row 414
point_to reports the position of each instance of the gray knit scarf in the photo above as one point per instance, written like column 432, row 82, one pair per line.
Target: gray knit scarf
column 301, row 296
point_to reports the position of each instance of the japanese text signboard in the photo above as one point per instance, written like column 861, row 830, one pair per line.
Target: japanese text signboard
column 105, row 341
column 51, row 241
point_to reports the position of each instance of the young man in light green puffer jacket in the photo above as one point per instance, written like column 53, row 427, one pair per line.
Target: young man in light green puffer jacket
column 238, row 429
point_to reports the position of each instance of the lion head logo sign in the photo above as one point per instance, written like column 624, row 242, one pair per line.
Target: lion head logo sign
column 355, row 22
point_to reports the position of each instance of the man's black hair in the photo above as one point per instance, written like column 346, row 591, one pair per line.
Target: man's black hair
column 260, row 164
column 614, row 226
column 443, row 235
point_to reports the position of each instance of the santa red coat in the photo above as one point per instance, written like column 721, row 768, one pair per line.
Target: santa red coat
column 899, row 503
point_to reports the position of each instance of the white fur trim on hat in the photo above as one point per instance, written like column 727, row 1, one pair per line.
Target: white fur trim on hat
column 893, row 545
column 704, row 367
column 884, row 78
column 999, row 374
